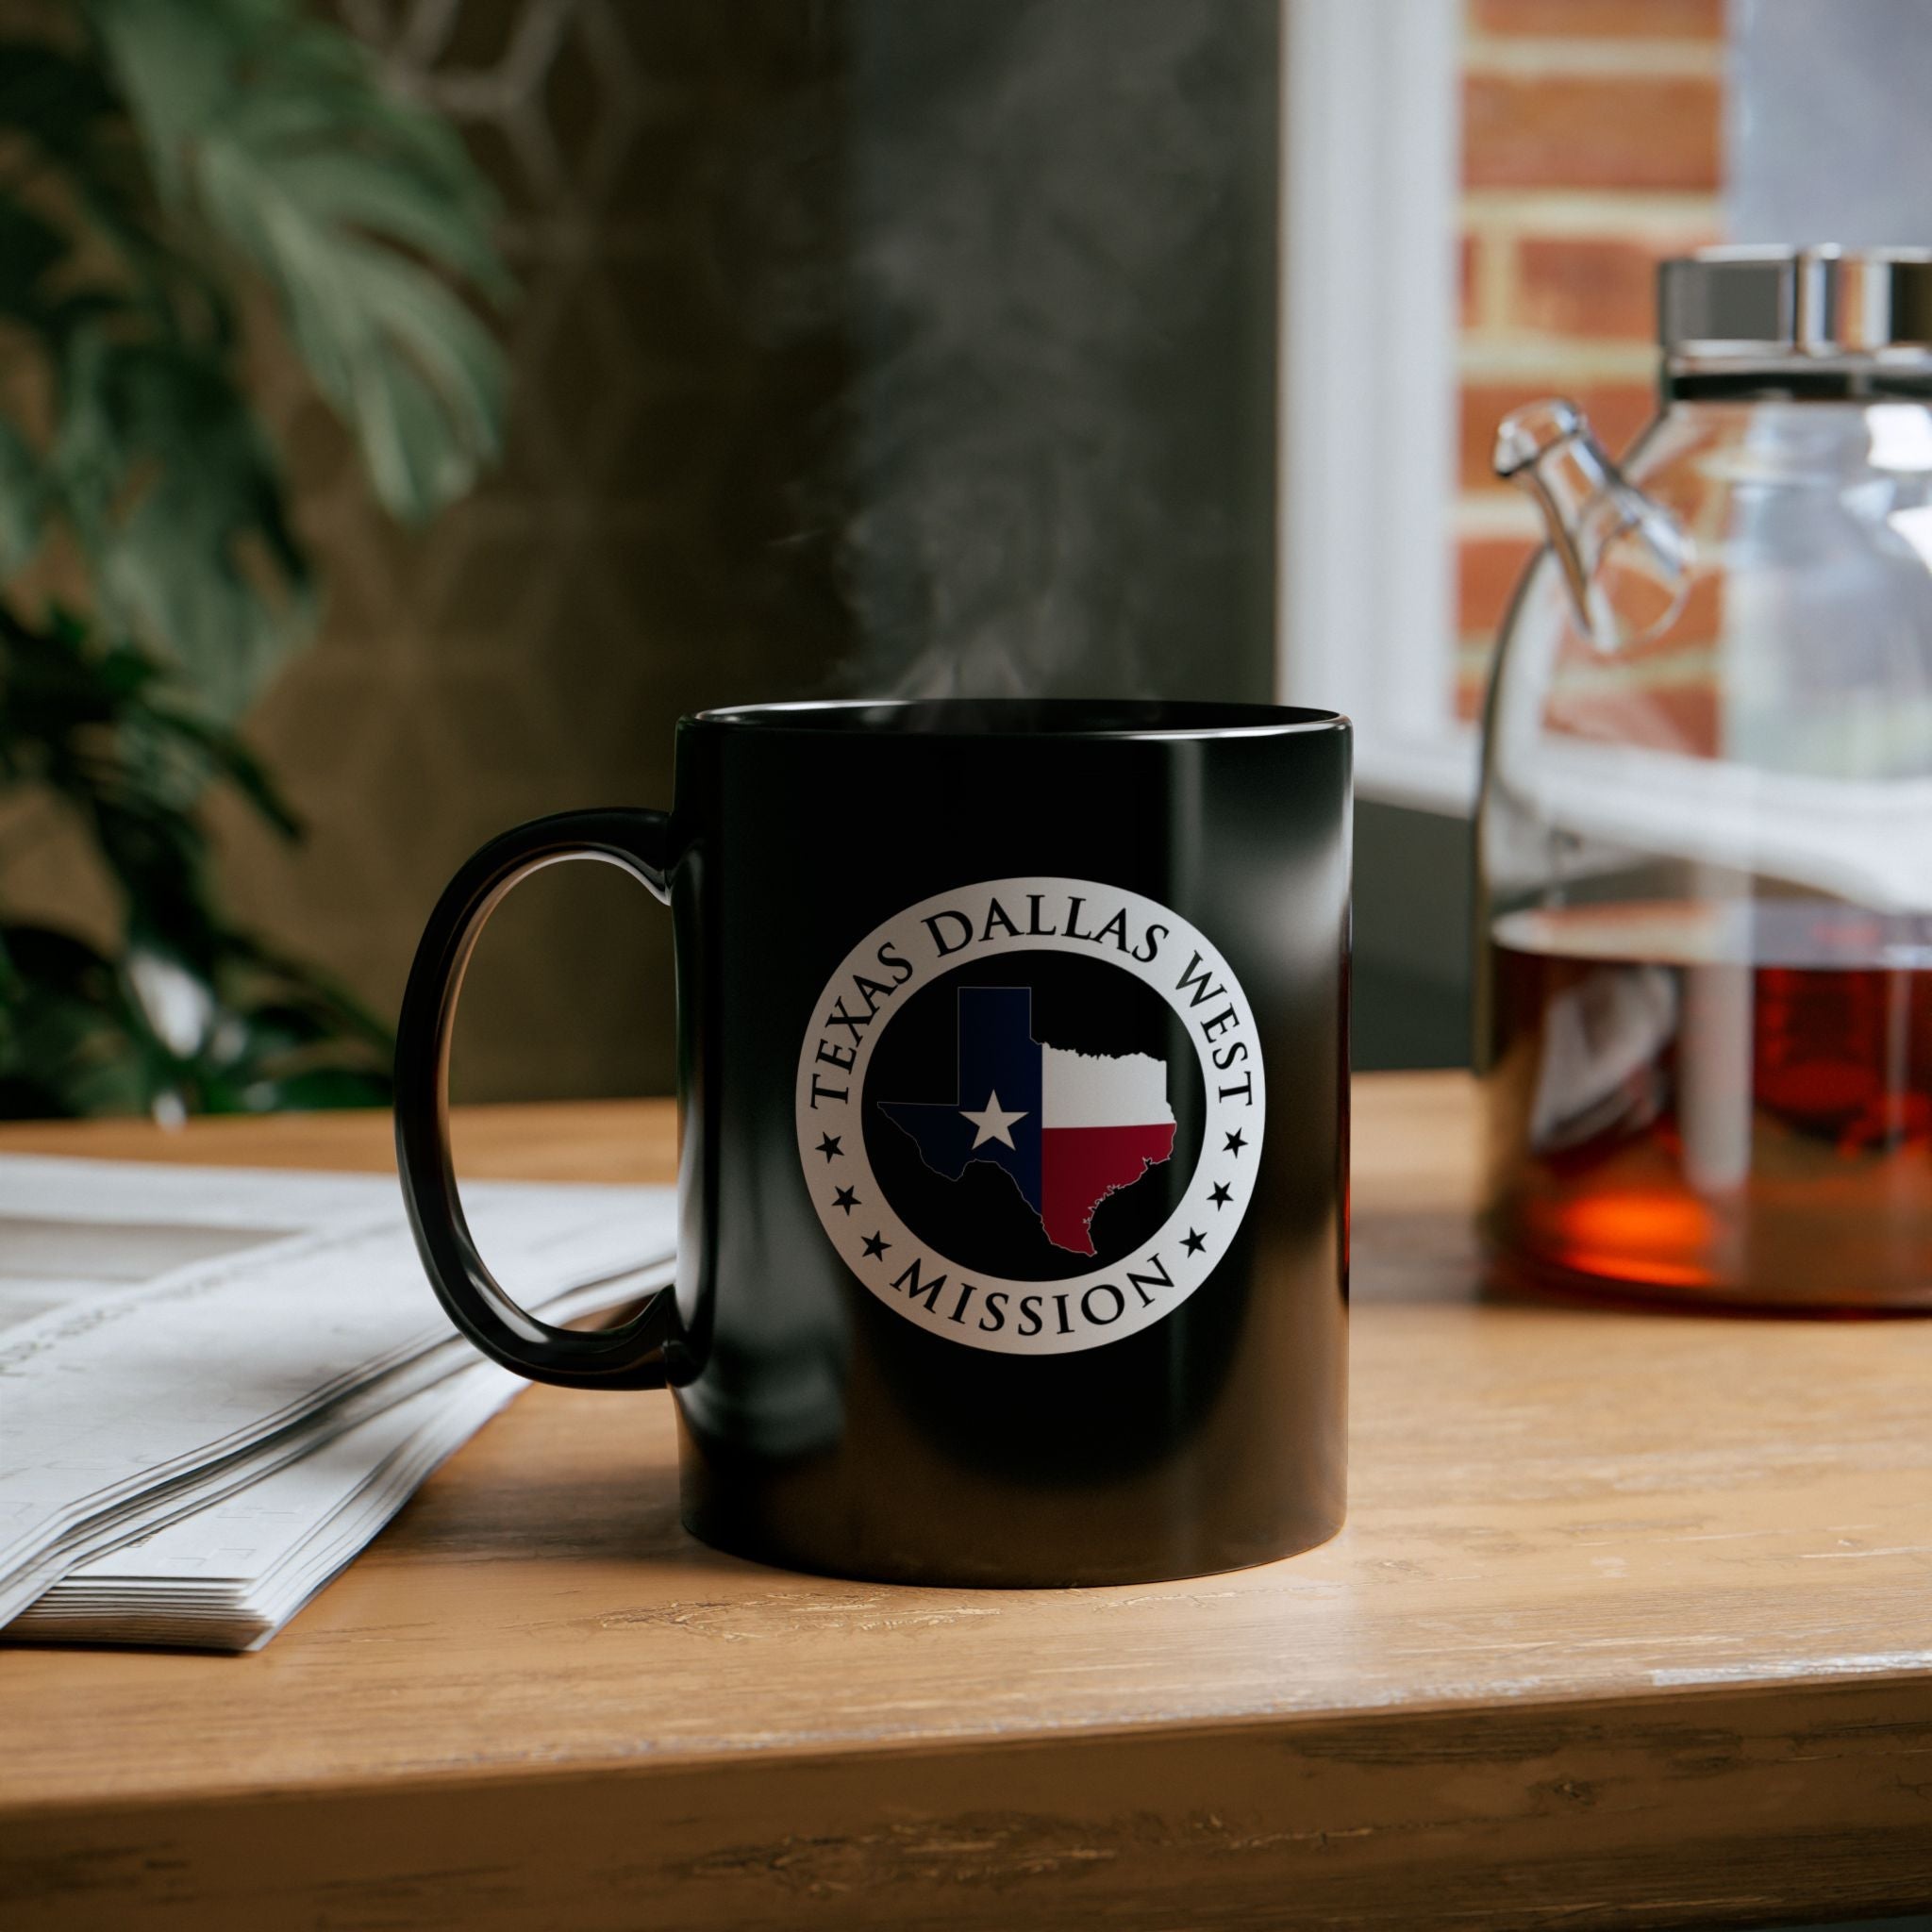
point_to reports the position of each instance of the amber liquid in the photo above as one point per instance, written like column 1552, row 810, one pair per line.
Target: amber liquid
column 1713, row 1104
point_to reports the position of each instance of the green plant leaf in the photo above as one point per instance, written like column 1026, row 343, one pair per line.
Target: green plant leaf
column 351, row 201
column 228, row 758
column 23, row 500
column 157, row 149
column 177, row 504
column 313, row 1089
column 30, row 248
column 74, row 131
column 65, row 1048
column 173, row 63
column 53, row 97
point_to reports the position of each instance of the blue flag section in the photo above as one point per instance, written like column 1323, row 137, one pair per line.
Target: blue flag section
column 995, row 1112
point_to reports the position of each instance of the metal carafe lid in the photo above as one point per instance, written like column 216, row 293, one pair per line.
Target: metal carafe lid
column 1776, row 305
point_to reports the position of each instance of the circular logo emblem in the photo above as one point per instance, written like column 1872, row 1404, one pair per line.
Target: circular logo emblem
column 1030, row 1113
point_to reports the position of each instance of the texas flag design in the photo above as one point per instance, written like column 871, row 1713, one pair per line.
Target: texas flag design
column 1069, row 1128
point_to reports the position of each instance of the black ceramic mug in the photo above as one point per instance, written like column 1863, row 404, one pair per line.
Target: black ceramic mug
column 1014, row 1083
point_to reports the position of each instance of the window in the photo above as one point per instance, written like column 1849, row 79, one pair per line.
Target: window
column 1475, row 198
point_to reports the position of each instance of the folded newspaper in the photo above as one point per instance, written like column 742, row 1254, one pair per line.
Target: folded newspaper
column 217, row 1384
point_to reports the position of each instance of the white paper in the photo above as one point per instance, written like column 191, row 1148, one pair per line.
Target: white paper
column 171, row 1336
column 227, row 1576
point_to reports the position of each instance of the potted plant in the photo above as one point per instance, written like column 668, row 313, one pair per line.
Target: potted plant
column 172, row 172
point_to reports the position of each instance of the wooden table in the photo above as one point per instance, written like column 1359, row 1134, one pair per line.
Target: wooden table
column 1631, row 1625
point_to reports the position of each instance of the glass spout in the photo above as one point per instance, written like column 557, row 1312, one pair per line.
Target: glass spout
column 1626, row 559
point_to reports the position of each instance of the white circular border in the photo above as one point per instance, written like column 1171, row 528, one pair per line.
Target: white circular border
column 1222, row 1220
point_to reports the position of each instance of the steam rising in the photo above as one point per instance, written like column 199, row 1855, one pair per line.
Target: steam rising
column 1058, row 432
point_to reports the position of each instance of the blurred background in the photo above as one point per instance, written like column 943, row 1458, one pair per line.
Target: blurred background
column 1066, row 346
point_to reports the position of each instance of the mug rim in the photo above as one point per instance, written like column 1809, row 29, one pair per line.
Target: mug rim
column 1031, row 718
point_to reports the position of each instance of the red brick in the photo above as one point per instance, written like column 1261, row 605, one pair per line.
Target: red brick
column 1617, row 411
column 1661, row 20
column 1677, row 718
column 1700, row 624
column 1471, row 687
column 1700, row 621
column 1487, row 571
column 1574, row 130
column 1575, row 287
column 1466, row 271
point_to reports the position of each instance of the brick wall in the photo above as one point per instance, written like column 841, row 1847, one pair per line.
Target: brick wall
column 1591, row 147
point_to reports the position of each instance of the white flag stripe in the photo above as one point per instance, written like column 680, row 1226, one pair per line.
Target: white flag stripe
column 1097, row 1090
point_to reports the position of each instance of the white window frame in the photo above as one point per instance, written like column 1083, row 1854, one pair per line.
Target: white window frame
column 1370, row 308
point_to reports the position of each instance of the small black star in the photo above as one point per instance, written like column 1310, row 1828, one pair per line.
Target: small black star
column 875, row 1248
column 1194, row 1243
column 1221, row 1196
column 847, row 1199
column 1236, row 1141
column 828, row 1145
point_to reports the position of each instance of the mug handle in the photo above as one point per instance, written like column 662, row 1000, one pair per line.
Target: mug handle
column 629, row 1356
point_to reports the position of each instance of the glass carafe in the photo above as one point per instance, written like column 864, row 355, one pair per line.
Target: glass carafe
column 1704, row 839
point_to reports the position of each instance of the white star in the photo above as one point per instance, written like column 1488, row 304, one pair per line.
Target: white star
column 994, row 1121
